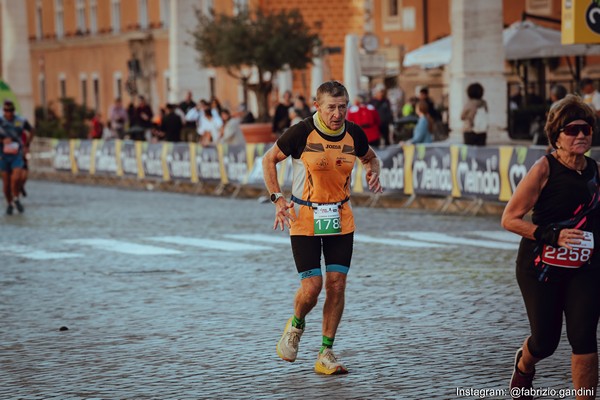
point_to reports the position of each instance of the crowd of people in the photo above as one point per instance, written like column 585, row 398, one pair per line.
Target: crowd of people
column 205, row 121
column 383, row 112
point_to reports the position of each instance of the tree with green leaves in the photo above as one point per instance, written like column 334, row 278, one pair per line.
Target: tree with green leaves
column 266, row 41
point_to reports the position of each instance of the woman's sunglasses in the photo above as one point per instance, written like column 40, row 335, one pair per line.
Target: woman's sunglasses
column 573, row 130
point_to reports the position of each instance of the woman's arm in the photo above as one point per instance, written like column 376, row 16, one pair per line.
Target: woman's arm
column 524, row 198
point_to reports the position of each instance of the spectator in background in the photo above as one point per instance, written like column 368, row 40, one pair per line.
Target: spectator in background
column 366, row 116
column 281, row 119
column 215, row 105
column 294, row 114
column 231, row 131
column 592, row 97
column 156, row 133
column 410, row 107
column 187, row 104
column 474, row 133
column 171, row 125
column 245, row 115
column 97, row 127
column 210, row 127
column 200, row 113
column 194, row 114
column 302, row 109
column 396, row 96
column 117, row 119
column 422, row 131
column 557, row 92
column 404, row 126
column 590, row 94
column 142, row 120
column 384, row 109
column 189, row 127
column 515, row 100
column 433, row 112
column 130, row 117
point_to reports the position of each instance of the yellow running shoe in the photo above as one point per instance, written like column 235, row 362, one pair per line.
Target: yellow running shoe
column 328, row 364
column 287, row 347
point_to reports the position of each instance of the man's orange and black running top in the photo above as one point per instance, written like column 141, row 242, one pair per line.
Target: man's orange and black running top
column 322, row 169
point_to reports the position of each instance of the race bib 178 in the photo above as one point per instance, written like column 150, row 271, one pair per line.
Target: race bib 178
column 327, row 219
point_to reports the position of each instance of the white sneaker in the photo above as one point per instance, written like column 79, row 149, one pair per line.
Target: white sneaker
column 328, row 364
column 287, row 347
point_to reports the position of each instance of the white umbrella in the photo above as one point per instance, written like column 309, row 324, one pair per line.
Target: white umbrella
column 522, row 40
column 431, row 55
column 351, row 66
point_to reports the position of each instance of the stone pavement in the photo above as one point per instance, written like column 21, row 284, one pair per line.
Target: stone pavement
column 156, row 309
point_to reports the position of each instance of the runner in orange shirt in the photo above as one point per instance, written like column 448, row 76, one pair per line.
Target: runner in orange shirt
column 323, row 148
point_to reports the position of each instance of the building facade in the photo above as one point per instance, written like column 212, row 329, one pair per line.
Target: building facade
column 96, row 50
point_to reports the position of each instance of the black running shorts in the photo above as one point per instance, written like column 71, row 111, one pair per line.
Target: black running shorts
column 337, row 250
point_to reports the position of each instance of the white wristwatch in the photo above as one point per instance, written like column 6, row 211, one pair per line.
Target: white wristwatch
column 275, row 197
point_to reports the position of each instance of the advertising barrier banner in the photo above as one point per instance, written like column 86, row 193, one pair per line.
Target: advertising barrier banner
column 515, row 162
column 208, row 164
column 489, row 173
column 179, row 161
column 83, row 155
column 431, row 170
column 152, row 160
column 236, row 163
column 62, row 155
column 128, row 161
column 105, row 157
column 477, row 172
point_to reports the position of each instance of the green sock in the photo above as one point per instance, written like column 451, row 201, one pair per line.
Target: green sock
column 327, row 343
column 298, row 322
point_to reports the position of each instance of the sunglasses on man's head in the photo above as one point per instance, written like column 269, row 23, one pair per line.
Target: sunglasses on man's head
column 573, row 130
column 9, row 110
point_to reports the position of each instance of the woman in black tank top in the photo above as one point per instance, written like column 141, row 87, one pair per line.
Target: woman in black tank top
column 558, row 269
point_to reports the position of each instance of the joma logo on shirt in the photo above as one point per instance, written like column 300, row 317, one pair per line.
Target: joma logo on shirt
column 333, row 146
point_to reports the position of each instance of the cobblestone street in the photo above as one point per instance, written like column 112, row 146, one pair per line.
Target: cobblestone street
column 173, row 296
